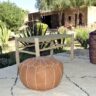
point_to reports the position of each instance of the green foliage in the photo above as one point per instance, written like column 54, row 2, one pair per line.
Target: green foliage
column 44, row 4
column 4, row 34
column 77, row 4
column 26, row 32
column 52, row 4
column 11, row 15
column 40, row 28
column 82, row 36
column 62, row 30
column 61, row 5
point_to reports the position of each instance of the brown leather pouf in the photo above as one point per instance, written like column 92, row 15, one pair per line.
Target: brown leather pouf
column 41, row 73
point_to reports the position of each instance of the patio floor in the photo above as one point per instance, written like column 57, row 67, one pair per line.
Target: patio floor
column 79, row 79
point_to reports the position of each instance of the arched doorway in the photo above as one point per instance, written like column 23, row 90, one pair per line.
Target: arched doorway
column 80, row 19
column 75, row 20
column 63, row 19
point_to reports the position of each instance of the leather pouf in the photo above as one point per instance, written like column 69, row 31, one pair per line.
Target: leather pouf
column 41, row 73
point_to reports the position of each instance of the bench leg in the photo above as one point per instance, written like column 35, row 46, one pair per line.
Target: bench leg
column 72, row 47
column 17, row 52
column 51, row 50
column 37, row 47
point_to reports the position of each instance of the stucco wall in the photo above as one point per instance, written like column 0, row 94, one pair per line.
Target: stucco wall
column 91, row 15
column 72, row 12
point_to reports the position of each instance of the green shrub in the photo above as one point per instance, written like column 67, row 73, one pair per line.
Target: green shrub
column 4, row 35
column 12, row 15
column 26, row 32
column 62, row 30
column 82, row 36
column 40, row 28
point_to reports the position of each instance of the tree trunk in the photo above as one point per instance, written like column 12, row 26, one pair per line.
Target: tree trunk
column 60, row 18
column 78, row 11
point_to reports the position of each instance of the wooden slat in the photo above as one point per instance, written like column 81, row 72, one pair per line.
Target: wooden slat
column 52, row 47
column 72, row 47
column 23, row 51
column 46, row 38
column 17, row 52
column 43, row 38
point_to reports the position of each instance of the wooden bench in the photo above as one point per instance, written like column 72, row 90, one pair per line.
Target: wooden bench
column 37, row 40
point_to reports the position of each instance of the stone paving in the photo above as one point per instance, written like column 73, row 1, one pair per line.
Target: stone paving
column 79, row 79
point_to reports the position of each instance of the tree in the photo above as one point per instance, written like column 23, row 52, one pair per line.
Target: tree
column 53, row 5
column 60, row 6
column 12, row 15
column 43, row 5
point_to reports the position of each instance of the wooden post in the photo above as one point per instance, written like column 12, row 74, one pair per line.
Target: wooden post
column 17, row 51
column 37, row 47
column 72, row 46
column 51, row 50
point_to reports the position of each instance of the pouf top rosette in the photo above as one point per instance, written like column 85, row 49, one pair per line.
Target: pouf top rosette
column 41, row 73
